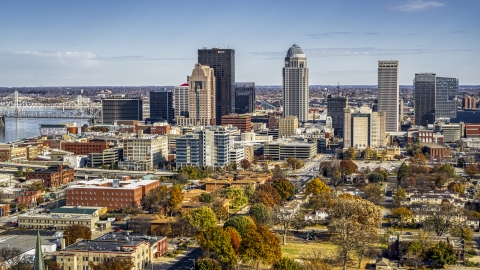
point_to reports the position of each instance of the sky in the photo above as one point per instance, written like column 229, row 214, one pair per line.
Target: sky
column 135, row 43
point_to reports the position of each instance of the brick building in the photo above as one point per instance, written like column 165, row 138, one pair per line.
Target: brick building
column 436, row 151
column 85, row 148
column 472, row 130
column 4, row 210
column 242, row 122
column 110, row 193
column 53, row 176
column 29, row 197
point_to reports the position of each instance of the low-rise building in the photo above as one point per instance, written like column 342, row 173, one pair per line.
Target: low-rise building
column 242, row 122
column 281, row 149
column 4, row 210
column 436, row 151
column 56, row 221
column 85, row 148
column 28, row 197
column 53, row 176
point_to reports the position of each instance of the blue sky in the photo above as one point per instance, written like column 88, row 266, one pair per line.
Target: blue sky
column 79, row 43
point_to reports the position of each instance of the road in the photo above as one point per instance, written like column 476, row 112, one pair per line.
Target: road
column 184, row 263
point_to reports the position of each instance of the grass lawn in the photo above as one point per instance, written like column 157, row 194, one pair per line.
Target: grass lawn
column 298, row 250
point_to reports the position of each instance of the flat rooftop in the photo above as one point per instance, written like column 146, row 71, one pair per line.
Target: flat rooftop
column 24, row 242
column 100, row 184
column 112, row 242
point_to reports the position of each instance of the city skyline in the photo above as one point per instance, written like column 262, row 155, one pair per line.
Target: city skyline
column 155, row 43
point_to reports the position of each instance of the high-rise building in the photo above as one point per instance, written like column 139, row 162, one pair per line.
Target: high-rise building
column 144, row 153
column 201, row 98
column 188, row 148
column 161, row 105
column 295, row 84
column 388, row 93
column 180, row 100
column 120, row 107
column 287, row 126
column 446, row 91
column 244, row 97
column 336, row 110
column 223, row 63
column 470, row 103
column 364, row 128
column 435, row 98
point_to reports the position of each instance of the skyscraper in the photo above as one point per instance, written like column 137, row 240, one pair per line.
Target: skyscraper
column 435, row 98
column 336, row 109
column 244, row 97
column 161, row 105
column 120, row 107
column 388, row 93
column 295, row 84
column 223, row 63
column 364, row 128
column 180, row 94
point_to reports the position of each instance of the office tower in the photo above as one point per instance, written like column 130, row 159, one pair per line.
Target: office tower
column 188, row 149
column 244, row 97
column 180, row 100
column 144, row 153
column 446, row 91
column 120, row 107
column 287, row 126
column 388, row 92
column 201, row 98
column 161, row 105
column 364, row 128
column 424, row 96
column 295, row 84
column 336, row 110
column 223, row 63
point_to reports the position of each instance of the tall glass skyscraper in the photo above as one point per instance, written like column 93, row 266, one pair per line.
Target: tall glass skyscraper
column 244, row 97
column 388, row 93
column 161, row 105
column 446, row 91
column 295, row 84
column 223, row 63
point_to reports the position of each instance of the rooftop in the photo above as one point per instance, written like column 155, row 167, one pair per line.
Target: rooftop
column 115, row 242
column 295, row 51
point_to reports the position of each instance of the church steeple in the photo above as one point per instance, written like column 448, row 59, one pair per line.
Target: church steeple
column 39, row 264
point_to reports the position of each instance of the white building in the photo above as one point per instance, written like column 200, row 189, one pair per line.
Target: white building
column 364, row 128
column 295, row 84
column 180, row 100
column 144, row 153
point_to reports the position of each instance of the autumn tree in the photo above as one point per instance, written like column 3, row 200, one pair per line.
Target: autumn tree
column 316, row 186
column 112, row 264
column 471, row 170
column 202, row 218
column 235, row 238
column 239, row 223
column 404, row 214
column 207, row 264
column 373, row 193
column 463, row 232
column 399, row 196
column 445, row 168
column 76, row 231
column 320, row 194
column 457, row 187
column 218, row 207
column 261, row 214
column 52, row 265
column 287, row 264
column 354, row 225
column 441, row 218
column 351, row 153
column 236, row 196
column 315, row 260
column 348, row 167
column 267, row 195
column 260, row 246
column 284, row 188
column 286, row 219
column 245, row 164
column 417, row 164
column 216, row 242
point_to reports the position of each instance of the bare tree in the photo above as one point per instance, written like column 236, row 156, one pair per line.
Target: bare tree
column 15, row 259
column 287, row 219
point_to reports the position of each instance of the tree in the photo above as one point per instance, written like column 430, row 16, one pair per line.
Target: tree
column 368, row 152
column 236, row 196
column 373, row 193
column 316, row 260
column 267, row 195
column 245, row 164
column 351, row 153
column 353, row 223
column 205, row 197
column 16, row 258
column 445, row 168
column 207, row 264
column 239, row 223
column 457, row 187
column 112, row 264
column 52, row 265
column 402, row 173
column 261, row 214
column 417, row 164
column 218, row 207
column 348, row 167
column 216, row 241
column 463, row 232
column 287, row 264
column 471, row 170
column 76, row 231
column 399, row 196
column 443, row 254
column 316, row 186
column 441, row 218
column 202, row 218
column 284, row 188
column 376, row 177
column 286, row 219
column 260, row 245
column 248, row 191
column 176, row 198
column 404, row 214
column 182, row 227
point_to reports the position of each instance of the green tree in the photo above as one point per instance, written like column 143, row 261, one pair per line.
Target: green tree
column 219, row 208
column 249, row 191
column 260, row 246
column 205, row 197
column 287, row 264
column 202, row 218
column 216, row 241
column 261, row 214
column 463, row 232
column 76, row 231
column 236, row 196
column 207, row 264
column 443, row 254
column 284, row 188
column 239, row 223
column 402, row 173
column 376, row 177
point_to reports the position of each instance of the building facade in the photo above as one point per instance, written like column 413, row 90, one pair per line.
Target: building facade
column 242, row 122
column 85, row 148
column 161, row 105
column 151, row 151
column 223, row 63
column 364, row 128
column 52, row 177
column 180, row 100
column 120, row 107
column 287, row 126
column 446, row 92
column 388, row 93
column 244, row 97
column 424, row 95
column 295, row 84
column 336, row 110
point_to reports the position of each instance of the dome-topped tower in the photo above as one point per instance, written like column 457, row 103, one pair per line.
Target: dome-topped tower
column 295, row 51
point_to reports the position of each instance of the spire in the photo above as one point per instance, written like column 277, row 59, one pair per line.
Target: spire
column 39, row 263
